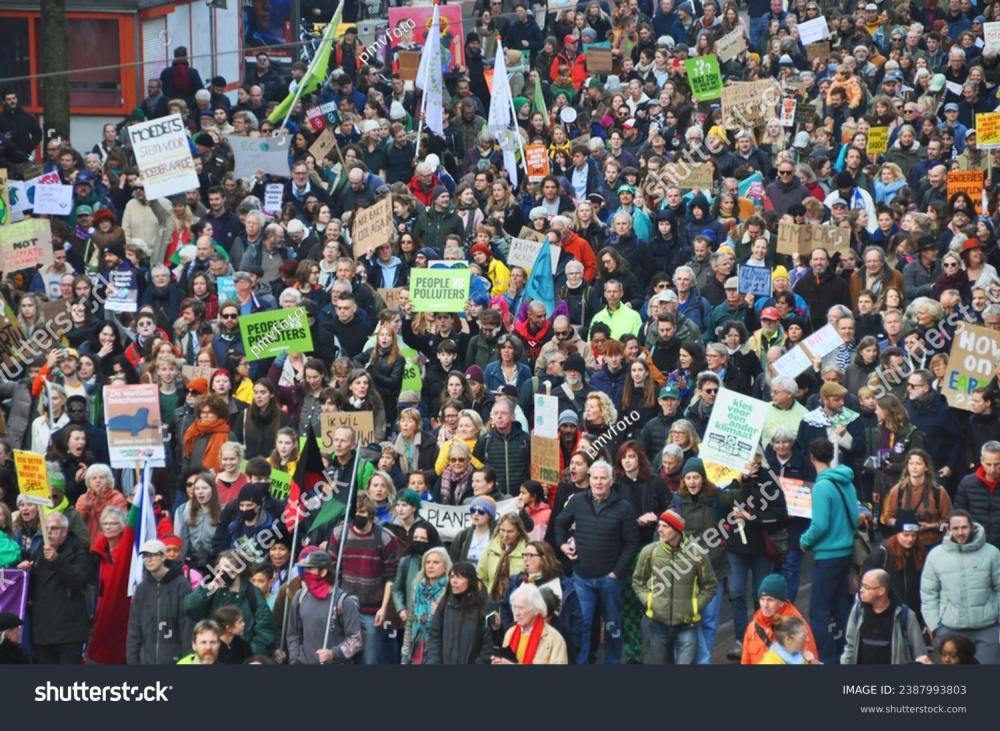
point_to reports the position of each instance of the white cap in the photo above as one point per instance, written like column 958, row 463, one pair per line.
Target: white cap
column 153, row 546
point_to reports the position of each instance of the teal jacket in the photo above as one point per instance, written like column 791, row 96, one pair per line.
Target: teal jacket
column 831, row 535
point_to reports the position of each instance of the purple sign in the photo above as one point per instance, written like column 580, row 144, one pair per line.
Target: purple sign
column 14, row 592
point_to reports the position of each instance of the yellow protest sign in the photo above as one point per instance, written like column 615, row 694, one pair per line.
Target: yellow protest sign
column 32, row 478
column 878, row 140
column 988, row 130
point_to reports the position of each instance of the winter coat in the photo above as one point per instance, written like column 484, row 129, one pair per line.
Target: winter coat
column 606, row 534
column 611, row 384
column 648, row 495
column 508, row 454
column 691, row 587
column 760, row 634
column 459, row 633
column 823, row 294
column 908, row 641
column 259, row 632
column 434, row 226
column 551, row 648
column 57, row 602
column 159, row 631
column 197, row 538
column 831, row 533
column 905, row 582
column 960, row 586
column 936, row 420
column 307, row 618
column 489, row 561
column 983, row 503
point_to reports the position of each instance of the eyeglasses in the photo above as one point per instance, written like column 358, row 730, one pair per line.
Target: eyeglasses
column 784, row 172
column 914, row 385
column 457, row 459
column 870, row 588
column 479, row 511
column 710, row 390
column 531, row 555
column 949, row 265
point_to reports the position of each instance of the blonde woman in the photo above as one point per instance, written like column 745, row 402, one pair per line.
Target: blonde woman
column 599, row 414
column 52, row 416
column 888, row 182
column 468, row 431
column 416, row 450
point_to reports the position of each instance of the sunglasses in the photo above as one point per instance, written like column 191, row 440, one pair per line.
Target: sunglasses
column 228, row 317
column 479, row 511
column 710, row 390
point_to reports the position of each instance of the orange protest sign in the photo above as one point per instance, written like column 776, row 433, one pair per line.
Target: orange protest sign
column 967, row 181
column 537, row 160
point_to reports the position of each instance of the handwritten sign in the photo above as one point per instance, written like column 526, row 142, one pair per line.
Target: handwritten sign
column 749, row 104
column 600, row 60
column 323, row 145
column 819, row 50
column 755, row 281
column 391, row 296
column 544, row 459
column 967, row 181
column 450, row 520
column 974, row 352
column 795, row 239
column 813, row 31
column 991, row 37
column 54, row 199
column 988, row 130
column 409, row 63
column 372, row 226
column 25, row 244
column 523, row 252
column 731, row 45
column 878, row 140
column 361, row 422
column 164, row 156
column 530, row 234
column 274, row 193
column 32, row 478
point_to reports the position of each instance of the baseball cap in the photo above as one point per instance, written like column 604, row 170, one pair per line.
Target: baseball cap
column 733, row 283
column 770, row 313
column 951, row 107
column 152, row 547
column 871, row 7
column 670, row 391
column 569, row 39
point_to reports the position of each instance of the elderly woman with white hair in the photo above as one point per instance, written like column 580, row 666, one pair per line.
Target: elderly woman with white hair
column 532, row 640
column 100, row 494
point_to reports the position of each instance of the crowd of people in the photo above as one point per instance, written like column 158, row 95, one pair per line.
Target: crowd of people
column 630, row 556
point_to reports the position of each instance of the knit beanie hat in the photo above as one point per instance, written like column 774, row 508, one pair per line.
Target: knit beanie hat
column 774, row 586
column 409, row 496
column 673, row 519
column 253, row 492
column 486, row 503
column 694, row 464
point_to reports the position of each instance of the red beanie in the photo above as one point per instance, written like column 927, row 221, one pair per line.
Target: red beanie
column 481, row 248
column 674, row 520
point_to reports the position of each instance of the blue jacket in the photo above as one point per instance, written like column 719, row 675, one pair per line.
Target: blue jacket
column 493, row 376
column 610, row 383
column 831, row 534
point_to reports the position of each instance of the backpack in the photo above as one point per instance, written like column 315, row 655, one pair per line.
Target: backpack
column 904, row 621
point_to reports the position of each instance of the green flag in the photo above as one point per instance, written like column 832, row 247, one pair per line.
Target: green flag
column 538, row 100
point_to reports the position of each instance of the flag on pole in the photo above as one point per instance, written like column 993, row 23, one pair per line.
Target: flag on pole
column 538, row 100
column 541, row 285
column 499, row 121
column 107, row 639
column 316, row 73
column 430, row 77
column 308, row 472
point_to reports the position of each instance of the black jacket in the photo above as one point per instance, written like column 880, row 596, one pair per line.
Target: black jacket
column 509, row 455
column 58, row 602
column 821, row 295
column 983, row 505
column 606, row 534
column 25, row 134
column 159, row 630
column 459, row 634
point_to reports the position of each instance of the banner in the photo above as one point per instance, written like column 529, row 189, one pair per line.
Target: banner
column 132, row 420
column 439, row 290
column 537, row 158
column 747, row 104
column 450, row 520
column 734, row 429
column 546, row 423
column 755, row 280
column 967, row 181
column 704, row 77
column 731, row 45
column 14, row 592
column 988, row 130
column 251, row 154
column 523, row 252
column 878, row 140
column 544, row 460
column 798, row 497
column 32, row 478
column 163, row 155
column 53, row 199
column 974, row 352
column 273, row 332
column 372, row 226
column 362, row 422
column 25, row 244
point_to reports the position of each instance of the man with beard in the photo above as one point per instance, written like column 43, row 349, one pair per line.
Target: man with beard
column 309, row 609
column 667, row 347
column 656, row 432
column 534, row 331
column 572, row 394
column 566, row 340
column 822, row 289
column 205, row 644
column 700, row 411
column 224, row 222
column 482, row 348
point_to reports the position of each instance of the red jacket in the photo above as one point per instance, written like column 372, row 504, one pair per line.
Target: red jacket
column 583, row 252
column 424, row 196
column 577, row 68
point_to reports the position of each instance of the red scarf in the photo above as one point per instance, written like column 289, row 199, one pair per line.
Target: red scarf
column 528, row 657
column 318, row 586
column 991, row 486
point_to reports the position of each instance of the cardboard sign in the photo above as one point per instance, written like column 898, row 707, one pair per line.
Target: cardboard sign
column 731, row 45
column 4, row 198
column 409, row 62
column 361, row 422
column 25, row 244
column 391, row 296
column 191, row 372
column 546, row 422
column 878, row 140
column 755, row 280
column 372, row 226
column 273, row 332
column 819, row 50
column 704, row 77
column 988, row 130
column 132, row 420
column 163, row 155
column 12, row 343
column 530, row 234
column 974, row 352
column 813, row 31
column 54, row 199
column 967, row 181
column 523, row 252
column 788, row 106
column 274, row 194
column 450, row 520
column 795, row 239
column 251, row 154
column 544, row 459
column 322, row 146
column 57, row 317
column 733, row 430
column 600, row 61
column 749, row 104
column 439, row 290
column 32, row 478
column 536, row 158
column 798, row 497
column 689, row 175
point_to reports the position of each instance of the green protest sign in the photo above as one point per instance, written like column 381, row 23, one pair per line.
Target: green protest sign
column 439, row 290
column 412, row 380
column 281, row 484
column 268, row 334
column 704, row 77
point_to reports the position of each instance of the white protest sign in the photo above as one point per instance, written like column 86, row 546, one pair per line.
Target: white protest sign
column 54, row 199
column 792, row 363
column 546, row 416
column 251, row 154
column 163, row 155
column 991, row 34
column 734, row 429
column 273, row 194
column 523, row 252
column 449, row 520
column 824, row 341
column 813, row 31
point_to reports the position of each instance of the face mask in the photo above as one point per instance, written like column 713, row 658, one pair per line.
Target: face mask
column 419, row 547
column 249, row 515
column 360, row 522
column 318, row 586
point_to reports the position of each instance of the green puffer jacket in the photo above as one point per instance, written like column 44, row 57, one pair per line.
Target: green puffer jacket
column 673, row 584
column 703, row 513
column 960, row 586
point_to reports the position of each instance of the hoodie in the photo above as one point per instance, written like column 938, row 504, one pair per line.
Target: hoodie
column 831, row 533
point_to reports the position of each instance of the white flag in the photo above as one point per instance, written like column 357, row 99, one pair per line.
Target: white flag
column 430, row 77
column 499, row 121
column 146, row 529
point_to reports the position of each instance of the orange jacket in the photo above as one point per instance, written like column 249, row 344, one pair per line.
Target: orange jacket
column 754, row 646
column 577, row 68
column 583, row 252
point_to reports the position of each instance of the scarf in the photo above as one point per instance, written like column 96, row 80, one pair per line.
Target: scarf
column 182, row 79
column 217, row 431
column 457, row 482
column 790, row 658
column 524, row 648
column 318, row 586
column 425, row 603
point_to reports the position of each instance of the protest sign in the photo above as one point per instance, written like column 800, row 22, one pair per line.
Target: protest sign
column 991, row 37
column 32, row 479
column 537, row 160
column 361, row 422
column 974, row 352
column 792, row 363
column 544, row 459
column 450, row 520
column 412, row 379
column 226, row 288
column 439, row 290
column 600, row 61
column 315, row 120
column 323, row 145
column 390, row 295
column 819, row 50
column 132, row 420
column 689, row 175
column 122, row 294
column 795, row 239
column 164, row 156
column 281, row 484
column 523, row 252
column 988, row 130
column 798, row 497
column 273, row 332
column 878, row 140
column 274, row 193
column 56, row 315
column 53, row 199
column 12, row 347
column 813, row 31
column 372, row 226
column 4, row 198
column 967, row 181
column 755, row 281
column 704, row 77
column 531, row 235
column 409, row 62
column 251, row 154
column 546, row 416
column 823, row 342
column 14, row 585
column 190, row 372
column 734, row 429
column 720, row 475
column 747, row 104
column 731, row 45
column 788, row 106
column 25, row 244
